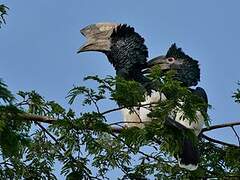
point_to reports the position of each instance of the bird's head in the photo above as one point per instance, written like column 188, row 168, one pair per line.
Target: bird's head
column 124, row 47
column 186, row 69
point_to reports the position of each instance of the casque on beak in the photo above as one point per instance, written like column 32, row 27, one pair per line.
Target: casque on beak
column 98, row 37
column 160, row 61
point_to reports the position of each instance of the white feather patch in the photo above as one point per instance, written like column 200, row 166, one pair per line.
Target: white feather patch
column 190, row 167
column 139, row 116
column 195, row 126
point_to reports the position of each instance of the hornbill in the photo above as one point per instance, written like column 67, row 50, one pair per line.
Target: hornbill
column 126, row 51
column 188, row 73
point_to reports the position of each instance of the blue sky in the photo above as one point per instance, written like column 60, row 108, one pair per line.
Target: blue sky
column 39, row 43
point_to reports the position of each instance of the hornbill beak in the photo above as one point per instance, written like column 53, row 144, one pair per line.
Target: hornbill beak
column 161, row 61
column 101, row 45
column 98, row 37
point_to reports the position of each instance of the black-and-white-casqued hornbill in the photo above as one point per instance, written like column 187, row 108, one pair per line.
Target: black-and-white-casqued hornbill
column 126, row 51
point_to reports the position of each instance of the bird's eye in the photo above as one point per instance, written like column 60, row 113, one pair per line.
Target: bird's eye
column 171, row 60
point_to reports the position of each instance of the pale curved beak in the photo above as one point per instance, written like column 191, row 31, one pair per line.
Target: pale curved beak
column 101, row 45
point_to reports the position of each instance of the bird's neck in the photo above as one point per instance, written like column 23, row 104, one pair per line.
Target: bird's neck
column 135, row 75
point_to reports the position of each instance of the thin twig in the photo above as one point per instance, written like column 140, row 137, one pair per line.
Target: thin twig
column 50, row 135
column 139, row 151
column 119, row 108
column 122, row 122
column 220, row 126
column 112, row 110
column 94, row 102
column 6, row 163
column 218, row 141
column 59, row 144
column 137, row 115
column 236, row 135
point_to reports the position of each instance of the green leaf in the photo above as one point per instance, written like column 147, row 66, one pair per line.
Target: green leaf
column 5, row 94
column 128, row 93
column 3, row 12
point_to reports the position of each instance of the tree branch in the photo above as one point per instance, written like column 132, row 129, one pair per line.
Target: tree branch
column 120, row 108
column 50, row 135
column 229, row 124
column 218, row 141
column 169, row 121
column 236, row 134
column 37, row 118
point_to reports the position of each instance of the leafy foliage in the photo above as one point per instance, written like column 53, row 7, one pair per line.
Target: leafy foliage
column 5, row 95
column 3, row 12
column 132, row 89
column 87, row 142
column 236, row 95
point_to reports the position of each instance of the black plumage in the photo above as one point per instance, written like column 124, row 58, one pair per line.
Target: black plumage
column 189, row 72
column 189, row 155
column 128, row 54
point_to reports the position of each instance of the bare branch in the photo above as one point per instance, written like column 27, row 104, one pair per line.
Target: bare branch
column 218, row 126
column 119, row 108
column 37, row 118
column 235, row 132
column 50, row 135
column 112, row 110
column 218, row 141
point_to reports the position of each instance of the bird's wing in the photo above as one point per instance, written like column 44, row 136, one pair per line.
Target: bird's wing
column 202, row 93
column 196, row 126
column 189, row 157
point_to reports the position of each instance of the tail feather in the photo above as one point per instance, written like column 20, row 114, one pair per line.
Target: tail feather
column 189, row 156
